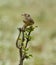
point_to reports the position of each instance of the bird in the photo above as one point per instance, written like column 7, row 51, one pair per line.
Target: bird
column 28, row 21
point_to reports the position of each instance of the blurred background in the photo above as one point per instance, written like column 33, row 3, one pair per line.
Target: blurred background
column 43, row 43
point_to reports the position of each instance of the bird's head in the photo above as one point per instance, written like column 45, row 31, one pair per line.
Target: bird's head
column 26, row 15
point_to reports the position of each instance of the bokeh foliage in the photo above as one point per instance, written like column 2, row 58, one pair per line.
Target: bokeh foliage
column 43, row 43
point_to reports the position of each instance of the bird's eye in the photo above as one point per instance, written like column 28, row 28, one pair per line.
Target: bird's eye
column 28, row 15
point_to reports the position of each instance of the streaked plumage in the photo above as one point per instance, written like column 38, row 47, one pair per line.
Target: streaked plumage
column 27, row 19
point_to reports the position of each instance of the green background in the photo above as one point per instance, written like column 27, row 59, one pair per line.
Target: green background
column 43, row 43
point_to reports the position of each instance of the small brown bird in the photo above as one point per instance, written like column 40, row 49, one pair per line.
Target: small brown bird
column 28, row 21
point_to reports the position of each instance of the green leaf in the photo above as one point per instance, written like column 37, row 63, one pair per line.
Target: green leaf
column 30, row 55
column 26, row 49
column 30, row 38
column 27, row 57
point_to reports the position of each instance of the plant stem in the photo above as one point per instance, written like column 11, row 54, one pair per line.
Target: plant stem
column 27, row 39
column 21, row 45
column 21, row 60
